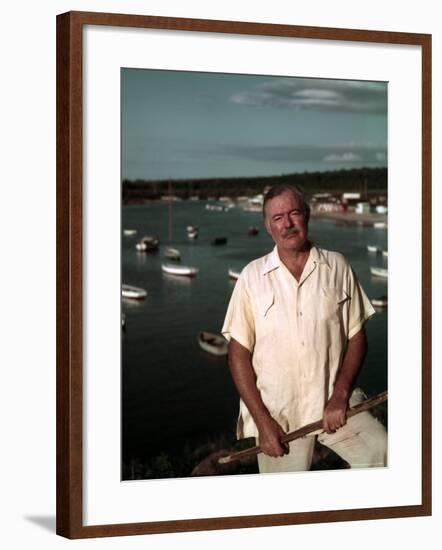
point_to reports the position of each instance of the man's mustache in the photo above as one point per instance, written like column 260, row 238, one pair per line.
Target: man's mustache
column 290, row 231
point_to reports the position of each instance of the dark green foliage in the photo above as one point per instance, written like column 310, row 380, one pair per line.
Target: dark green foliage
column 374, row 180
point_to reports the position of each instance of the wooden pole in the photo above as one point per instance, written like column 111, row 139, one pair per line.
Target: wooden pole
column 307, row 429
column 170, row 212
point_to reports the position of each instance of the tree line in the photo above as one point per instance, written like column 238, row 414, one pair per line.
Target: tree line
column 367, row 181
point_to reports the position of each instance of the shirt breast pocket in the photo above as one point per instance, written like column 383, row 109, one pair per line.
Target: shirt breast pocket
column 331, row 303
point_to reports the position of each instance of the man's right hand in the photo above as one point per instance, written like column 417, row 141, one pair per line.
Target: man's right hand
column 270, row 434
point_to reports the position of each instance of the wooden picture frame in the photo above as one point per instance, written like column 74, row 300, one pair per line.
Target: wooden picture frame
column 70, row 232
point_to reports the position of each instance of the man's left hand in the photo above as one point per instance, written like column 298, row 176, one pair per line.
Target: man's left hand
column 335, row 414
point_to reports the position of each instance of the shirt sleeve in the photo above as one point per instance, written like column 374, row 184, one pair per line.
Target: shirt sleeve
column 239, row 323
column 360, row 308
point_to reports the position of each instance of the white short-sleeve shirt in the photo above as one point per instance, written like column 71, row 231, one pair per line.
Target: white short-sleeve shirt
column 297, row 332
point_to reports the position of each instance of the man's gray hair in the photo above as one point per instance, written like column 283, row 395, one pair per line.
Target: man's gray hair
column 281, row 188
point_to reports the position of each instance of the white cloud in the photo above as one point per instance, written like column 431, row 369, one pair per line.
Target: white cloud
column 359, row 154
column 318, row 95
column 344, row 157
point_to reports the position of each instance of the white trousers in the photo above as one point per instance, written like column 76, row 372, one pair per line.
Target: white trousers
column 362, row 442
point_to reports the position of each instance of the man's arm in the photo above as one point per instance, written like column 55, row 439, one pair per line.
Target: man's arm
column 335, row 412
column 270, row 432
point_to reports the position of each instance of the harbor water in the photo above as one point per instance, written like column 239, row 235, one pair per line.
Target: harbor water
column 174, row 394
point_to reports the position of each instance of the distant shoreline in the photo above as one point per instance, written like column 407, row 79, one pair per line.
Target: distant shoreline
column 369, row 182
column 347, row 218
column 351, row 217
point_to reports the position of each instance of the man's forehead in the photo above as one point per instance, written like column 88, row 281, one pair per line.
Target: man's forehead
column 285, row 201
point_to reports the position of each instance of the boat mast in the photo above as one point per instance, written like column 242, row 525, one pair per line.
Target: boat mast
column 170, row 211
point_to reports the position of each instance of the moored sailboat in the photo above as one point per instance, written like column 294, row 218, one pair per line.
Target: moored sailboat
column 133, row 292
column 379, row 272
column 172, row 253
column 213, row 343
column 181, row 270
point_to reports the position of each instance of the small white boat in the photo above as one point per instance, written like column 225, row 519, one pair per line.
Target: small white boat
column 129, row 232
column 379, row 272
column 172, row 253
column 380, row 225
column 372, row 248
column 191, row 228
column 252, row 208
column 382, row 301
column 133, row 292
column 233, row 273
column 385, row 253
column 192, row 234
column 147, row 244
column 213, row 343
column 182, row 270
column 215, row 207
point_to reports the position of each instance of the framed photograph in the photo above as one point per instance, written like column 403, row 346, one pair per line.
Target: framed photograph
column 173, row 137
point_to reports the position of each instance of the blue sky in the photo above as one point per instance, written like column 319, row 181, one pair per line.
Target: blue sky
column 178, row 125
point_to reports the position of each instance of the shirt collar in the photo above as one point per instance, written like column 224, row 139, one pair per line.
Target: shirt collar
column 317, row 255
column 273, row 261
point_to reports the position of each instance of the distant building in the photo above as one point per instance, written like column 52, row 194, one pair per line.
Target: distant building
column 362, row 208
column 351, row 196
column 254, row 204
column 325, row 203
column 350, row 200
column 171, row 198
column 321, row 196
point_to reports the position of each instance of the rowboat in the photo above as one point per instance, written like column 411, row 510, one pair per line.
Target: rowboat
column 191, row 228
column 379, row 272
column 129, row 232
column 147, row 244
column 181, row 270
column 133, row 292
column 382, row 301
column 212, row 343
column 372, row 248
column 234, row 274
column 219, row 241
column 172, row 253
column 192, row 234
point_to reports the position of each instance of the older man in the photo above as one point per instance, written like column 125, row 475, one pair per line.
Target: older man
column 295, row 325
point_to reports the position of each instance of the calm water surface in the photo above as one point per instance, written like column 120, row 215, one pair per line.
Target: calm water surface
column 173, row 391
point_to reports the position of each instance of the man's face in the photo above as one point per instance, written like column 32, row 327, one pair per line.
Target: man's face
column 286, row 222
